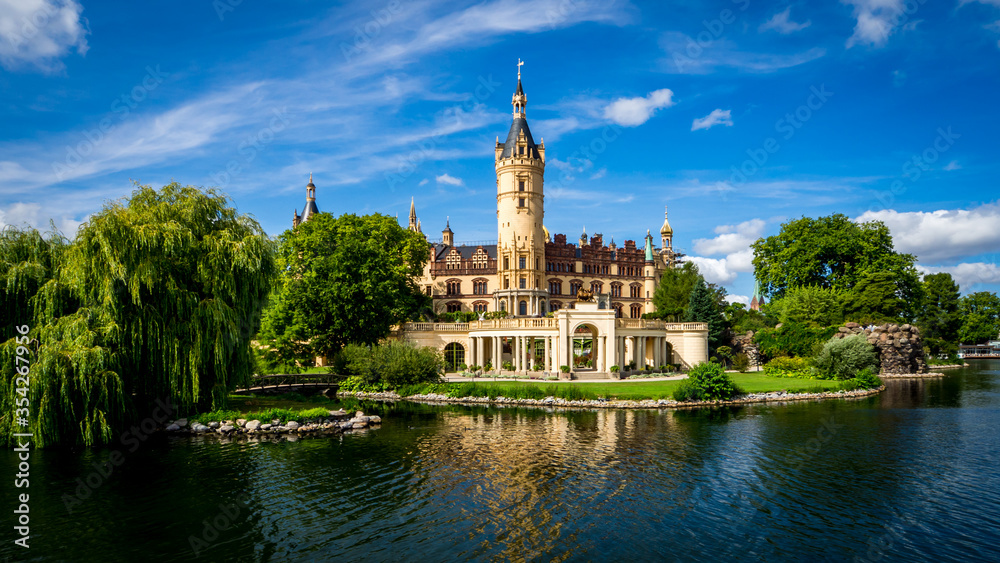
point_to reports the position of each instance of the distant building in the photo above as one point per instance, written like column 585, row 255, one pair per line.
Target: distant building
column 989, row 350
column 758, row 297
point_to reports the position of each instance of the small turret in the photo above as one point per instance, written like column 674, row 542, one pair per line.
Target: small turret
column 447, row 236
column 666, row 233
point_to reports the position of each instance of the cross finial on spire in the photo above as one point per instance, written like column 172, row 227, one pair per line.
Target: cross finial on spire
column 520, row 63
column 664, row 211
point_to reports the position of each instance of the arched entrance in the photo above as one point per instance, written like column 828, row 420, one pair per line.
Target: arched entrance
column 454, row 356
column 522, row 308
column 585, row 348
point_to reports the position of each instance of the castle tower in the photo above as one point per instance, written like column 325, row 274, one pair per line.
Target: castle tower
column 310, row 208
column 414, row 222
column 520, row 168
column 447, row 235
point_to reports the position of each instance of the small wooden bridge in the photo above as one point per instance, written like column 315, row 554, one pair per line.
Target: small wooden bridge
column 287, row 382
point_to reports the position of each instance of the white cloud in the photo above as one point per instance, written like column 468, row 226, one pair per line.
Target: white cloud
column 782, row 24
column 636, row 111
column 731, row 239
column 450, row 180
column 876, row 21
column 23, row 215
column 953, row 165
column 738, row 299
column 945, row 235
column 37, row 33
column 723, row 271
column 717, row 117
column 423, row 182
column 967, row 274
column 599, row 174
column 685, row 55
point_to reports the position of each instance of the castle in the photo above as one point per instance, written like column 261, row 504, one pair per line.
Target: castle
column 596, row 292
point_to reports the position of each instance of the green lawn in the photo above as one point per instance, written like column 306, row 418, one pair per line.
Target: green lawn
column 640, row 389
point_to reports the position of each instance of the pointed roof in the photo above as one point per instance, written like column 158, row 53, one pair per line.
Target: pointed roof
column 665, row 229
column 413, row 210
column 447, row 226
column 518, row 126
column 310, row 208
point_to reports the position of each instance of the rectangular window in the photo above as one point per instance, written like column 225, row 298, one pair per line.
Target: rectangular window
column 520, row 186
column 506, row 283
column 521, row 261
column 520, row 202
column 506, row 263
column 524, row 283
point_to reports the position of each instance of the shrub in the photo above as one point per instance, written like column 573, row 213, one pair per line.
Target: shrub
column 741, row 362
column 392, row 364
column 687, row 391
column 463, row 367
column 564, row 369
column 845, row 358
column 538, row 366
column 711, row 383
column 783, row 366
column 615, row 369
column 509, row 366
column 866, row 379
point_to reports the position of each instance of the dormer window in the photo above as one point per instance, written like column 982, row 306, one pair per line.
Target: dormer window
column 520, row 149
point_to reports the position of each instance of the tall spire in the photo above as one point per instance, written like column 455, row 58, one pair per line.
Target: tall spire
column 414, row 224
column 310, row 208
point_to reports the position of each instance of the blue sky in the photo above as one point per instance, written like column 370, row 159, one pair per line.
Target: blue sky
column 738, row 115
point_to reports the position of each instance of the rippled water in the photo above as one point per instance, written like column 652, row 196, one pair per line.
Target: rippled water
column 911, row 474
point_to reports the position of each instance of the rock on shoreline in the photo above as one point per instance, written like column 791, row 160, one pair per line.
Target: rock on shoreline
column 337, row 422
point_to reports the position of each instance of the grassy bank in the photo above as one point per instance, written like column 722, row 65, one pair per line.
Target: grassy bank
column 630, row 390
column 290, row 406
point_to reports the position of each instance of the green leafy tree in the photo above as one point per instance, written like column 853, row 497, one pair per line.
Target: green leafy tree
column 703, row 307
column 345, row 279
column 154, row 302
column 835, row 252
column 980, row 314
column 939, row 318
column 883, row 296
column 811, row 306
column 673, row 293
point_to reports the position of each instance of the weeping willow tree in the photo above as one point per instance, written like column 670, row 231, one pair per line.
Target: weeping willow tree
column 157, row 298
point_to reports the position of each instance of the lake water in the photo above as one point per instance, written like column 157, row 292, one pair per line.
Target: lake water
column 912, row 474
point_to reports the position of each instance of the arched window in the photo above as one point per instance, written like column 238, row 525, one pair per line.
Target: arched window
column 555, row 287
column 454, row 306
column 635, row 291
column 574, row 286
column 635, row 310
column 479, row 286
column 454, row 356
column 596, row 287
column 616, row 289
column 454, row 287
column 522, row 308
column 555, row 306
column 618, row 310
column 480, row 306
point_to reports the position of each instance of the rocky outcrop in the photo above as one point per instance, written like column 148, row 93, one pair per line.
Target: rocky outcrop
column 900, row 348
column 337, row 421
column 745, row 344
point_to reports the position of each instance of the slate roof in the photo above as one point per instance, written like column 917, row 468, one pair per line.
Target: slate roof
column 510, row 147
column 466, row 251
column 310, row 210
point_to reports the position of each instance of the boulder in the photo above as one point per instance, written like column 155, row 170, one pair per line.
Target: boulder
column 173, row 428
column 253, row 425
column 182, row 422
column 852, row 325
column 339, row 415
column 359, row 424
column 214, row 425
column 266, row 426
column 375, row 419
column 241, row 422
column 292, row 425
column 226, row 429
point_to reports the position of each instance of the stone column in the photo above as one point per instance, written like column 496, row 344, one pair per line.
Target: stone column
column 603, row 351
column 548, row 352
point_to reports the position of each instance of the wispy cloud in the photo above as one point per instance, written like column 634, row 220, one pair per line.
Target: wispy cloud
column 717, row 117
column 781, row 23
column 953, row 165
column 36, row 34
column 723, row 53
column 876, row 21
